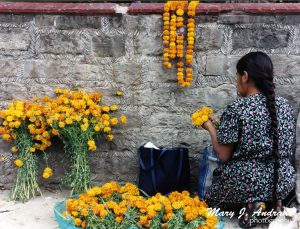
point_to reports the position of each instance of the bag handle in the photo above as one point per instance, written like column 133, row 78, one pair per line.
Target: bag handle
column 180, row 163
column 152, row 164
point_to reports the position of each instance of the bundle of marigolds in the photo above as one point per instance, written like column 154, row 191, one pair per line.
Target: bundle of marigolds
column 178, row 39
column 112, row 206
column 23, row 124
column 78, row 119
column 201, row 116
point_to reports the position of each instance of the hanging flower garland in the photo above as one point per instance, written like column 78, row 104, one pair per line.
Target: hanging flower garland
column 174, row 39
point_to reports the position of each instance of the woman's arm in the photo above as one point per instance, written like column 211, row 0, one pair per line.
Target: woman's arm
column 224, row 152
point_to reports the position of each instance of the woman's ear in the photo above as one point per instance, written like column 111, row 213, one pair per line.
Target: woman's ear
column 245, row 77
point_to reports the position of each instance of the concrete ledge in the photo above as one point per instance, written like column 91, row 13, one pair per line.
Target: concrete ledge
column 144, row 8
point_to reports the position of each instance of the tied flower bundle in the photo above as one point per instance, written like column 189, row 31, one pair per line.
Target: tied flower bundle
column 78, row 119
column 112, row 206
column 176, row 46
column 201, row 116
column 24, row 125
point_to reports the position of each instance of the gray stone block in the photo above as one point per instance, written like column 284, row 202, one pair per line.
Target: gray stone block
column 77, row 22
column 51, row 72
column 42, row 20
column 286, row 65
column 127, row 73
column 220, row 96
column 108, row 46
column 200, row 19
column 247, row 19
column 267, row 38
column 9, row 68
column 208, row 38
column 168, row 120
column 17, row 39
column 16, row 19
column 60, row 43
column 149, row 44
column 219, row 65
column 150, row 24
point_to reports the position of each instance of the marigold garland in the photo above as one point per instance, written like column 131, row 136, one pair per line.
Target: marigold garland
column 201, row 116
column 114, row 206
column 174, row 40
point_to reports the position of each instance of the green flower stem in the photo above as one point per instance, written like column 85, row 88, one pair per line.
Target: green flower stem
column 26, row 184
column 75, row 141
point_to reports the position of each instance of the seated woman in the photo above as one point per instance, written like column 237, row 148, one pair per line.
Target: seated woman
column 254, row 140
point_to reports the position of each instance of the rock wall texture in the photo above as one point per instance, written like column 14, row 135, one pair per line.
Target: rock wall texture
column 110, row 52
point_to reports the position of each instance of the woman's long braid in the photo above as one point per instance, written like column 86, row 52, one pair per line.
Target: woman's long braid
column 267, row 87
column 270, row 95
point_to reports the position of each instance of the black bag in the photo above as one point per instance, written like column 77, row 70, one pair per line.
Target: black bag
column 163, row 170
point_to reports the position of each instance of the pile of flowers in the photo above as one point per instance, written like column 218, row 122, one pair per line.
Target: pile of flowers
column 174, row 34
column 112, row 206
column 76, row 117
column 201, row 116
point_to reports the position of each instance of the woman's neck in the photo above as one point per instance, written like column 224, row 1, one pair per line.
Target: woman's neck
column 252, row 91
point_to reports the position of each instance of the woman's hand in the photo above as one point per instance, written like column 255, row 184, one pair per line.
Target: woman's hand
column 208, row 125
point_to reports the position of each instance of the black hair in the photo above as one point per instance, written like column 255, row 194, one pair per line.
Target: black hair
column 259, row 67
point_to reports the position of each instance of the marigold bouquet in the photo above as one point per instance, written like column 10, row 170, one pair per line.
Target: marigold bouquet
column 78, row 119
column 24, row 125
column 201, row 116
column 112, row 206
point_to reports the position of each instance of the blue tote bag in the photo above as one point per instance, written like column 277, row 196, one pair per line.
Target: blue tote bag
column 163, row 170
column 207, row 166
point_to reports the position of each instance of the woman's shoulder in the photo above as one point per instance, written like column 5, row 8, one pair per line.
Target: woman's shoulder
column 240, row 104
column 282, row 101
column 283, row 104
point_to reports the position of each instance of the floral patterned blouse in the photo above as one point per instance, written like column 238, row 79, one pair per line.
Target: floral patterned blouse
column 248, row 175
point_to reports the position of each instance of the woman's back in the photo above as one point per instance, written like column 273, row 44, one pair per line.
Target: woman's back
column 247, row 122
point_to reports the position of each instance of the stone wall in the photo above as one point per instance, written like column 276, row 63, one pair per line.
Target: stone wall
column 110, row 52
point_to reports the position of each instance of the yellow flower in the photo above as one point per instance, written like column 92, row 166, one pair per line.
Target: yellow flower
column 6, row 137
column 123, row 119
column 58, row 91
column 113, row 121
column 2, row 159
column 110, row 137
column 18, row 163
column 180, row 12
column 77, row 222
column 69, row 121
column 9, row 118
column 48, row 170
column 106, row 129
column 106, row 123
column 114, row 107
column 32, row 149
column 97, row 128
column 61, row 124
column 14, row 149
column 85, row 120
column 105, row 117
column 46, row 175
column 105, row 108
column 55, row 132
column 119, row 93
column 91, row 143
